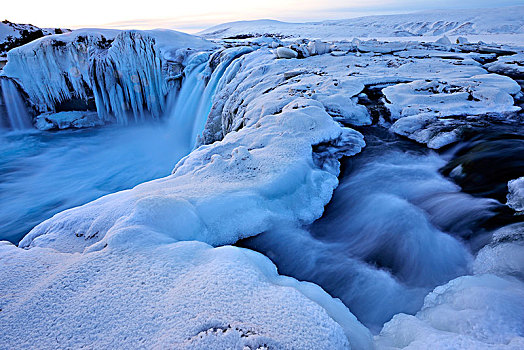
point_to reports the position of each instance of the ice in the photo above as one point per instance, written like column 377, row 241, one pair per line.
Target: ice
column 124, row 73
column 66, row 120
column 516, row 194
column 285, row 52
column 430, row 111
column 512, row 65
column 504, row 255
column 262, row 139
column 470, row 312
column 185, row 295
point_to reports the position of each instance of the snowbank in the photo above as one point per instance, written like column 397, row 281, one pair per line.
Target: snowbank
column 185, row 295
column 470, row 312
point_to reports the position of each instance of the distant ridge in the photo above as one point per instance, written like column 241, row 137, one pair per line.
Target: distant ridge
column 502, row 20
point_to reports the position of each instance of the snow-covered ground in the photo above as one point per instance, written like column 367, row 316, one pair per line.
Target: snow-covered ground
column 15, row 34
column 263, row 123
column 501, row 25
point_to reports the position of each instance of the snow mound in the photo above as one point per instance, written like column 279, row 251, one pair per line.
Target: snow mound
column 235, row 188
column 185, row 295
column 470, row 312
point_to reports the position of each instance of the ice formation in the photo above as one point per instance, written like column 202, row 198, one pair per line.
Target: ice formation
column 516, row 194
column 430, row 111
column 264, row 136
column 122, row 75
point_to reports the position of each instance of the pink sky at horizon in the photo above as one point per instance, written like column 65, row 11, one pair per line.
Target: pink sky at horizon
column 196, row 15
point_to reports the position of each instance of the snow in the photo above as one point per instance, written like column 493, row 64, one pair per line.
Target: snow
column 126, row 73
column 512, row 66
column 426, row 110
column 425, row 25
column 470, row 312
column 516, row 194
column 16, row 34
column 185, row 295
column 65, row 120
column 264, row 136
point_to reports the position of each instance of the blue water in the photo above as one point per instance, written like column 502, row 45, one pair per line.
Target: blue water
column 43, row 173
column 393, row 231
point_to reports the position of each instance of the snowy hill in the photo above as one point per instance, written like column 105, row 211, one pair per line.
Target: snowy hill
column 14, row 34
column 504, row 20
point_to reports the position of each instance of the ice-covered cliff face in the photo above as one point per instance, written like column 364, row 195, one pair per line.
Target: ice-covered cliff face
column 124, row 76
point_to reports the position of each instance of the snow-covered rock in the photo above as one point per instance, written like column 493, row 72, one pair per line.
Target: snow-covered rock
column 285, row 52
column 14, row 34
column 318, row 47
column 512, row 66
column 381, row 47
column 462, row 40
column 434, row 111
column 65, row 120
column 516, row 194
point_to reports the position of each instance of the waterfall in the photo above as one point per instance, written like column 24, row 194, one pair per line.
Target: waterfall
column 194, row 100
column 17, row 116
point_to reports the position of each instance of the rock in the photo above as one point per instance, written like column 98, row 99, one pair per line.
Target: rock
column 285, row 52
column 301, row 50
column 293, row 73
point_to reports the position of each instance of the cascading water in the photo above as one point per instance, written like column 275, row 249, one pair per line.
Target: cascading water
column 392, row 232
column 193, row 103
column 16, row 115
column 45, row 173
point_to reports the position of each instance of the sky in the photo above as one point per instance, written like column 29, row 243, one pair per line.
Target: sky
column 195, row 15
